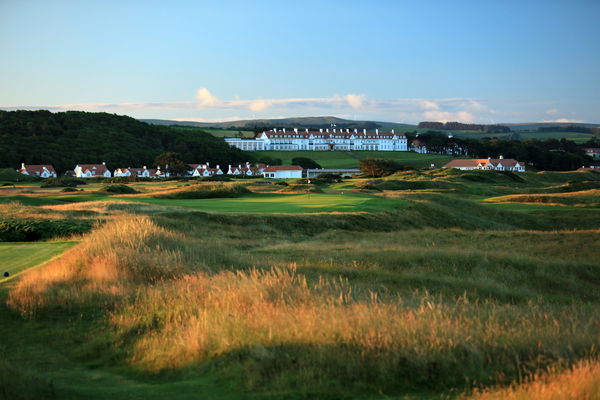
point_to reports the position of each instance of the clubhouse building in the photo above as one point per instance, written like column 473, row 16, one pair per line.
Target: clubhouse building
column 322, row 140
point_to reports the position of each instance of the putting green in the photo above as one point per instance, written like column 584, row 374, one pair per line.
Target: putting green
column 16, row 257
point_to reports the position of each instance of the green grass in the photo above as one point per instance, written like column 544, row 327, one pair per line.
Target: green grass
column 16, row 257
column 287, row 203
column 342, row 159
column 484, row 291
column 578, row 137
column 228, row 133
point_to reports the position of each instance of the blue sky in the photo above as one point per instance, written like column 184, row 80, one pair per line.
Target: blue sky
column 470, row 61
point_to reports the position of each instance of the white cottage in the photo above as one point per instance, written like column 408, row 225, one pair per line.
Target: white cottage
column 92, row 171
column 283, row 172
column 42, row 171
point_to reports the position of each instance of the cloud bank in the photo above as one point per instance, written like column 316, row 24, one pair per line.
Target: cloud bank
column 206, row 106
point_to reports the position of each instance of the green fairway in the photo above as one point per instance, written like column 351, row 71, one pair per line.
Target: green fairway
column 342, row 159
column 15, row 257
column 287, row 203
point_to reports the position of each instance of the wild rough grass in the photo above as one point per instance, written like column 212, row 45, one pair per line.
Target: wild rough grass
column 173, row 302
column 581, row 382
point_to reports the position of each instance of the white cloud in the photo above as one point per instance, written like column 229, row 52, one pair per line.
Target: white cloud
column 355, row 100
column 206, row 99
column 563, row 120
column 552, row 111
column 447, row 116
column 209, row 107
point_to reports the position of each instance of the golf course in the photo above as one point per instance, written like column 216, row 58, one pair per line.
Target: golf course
column 424, row 284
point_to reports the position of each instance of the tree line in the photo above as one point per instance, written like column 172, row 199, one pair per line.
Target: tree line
column 548, row 154
column 74, row 137
column 458, row 126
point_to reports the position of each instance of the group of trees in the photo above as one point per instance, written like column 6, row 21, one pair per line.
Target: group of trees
column 68, row 138
column 548, row 154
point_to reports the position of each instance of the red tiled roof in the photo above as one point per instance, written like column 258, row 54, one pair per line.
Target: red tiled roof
column 32, row 169
column 99, row 168
column 283, row 168
column 474, row 162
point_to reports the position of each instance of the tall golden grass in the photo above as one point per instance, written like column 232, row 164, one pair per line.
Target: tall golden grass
column 581, row 382
column 175, row 302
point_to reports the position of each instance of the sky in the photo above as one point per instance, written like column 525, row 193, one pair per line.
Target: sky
column 477, row 61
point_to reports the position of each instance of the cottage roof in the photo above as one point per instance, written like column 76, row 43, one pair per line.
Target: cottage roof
column 32, row 169
column 99, row 168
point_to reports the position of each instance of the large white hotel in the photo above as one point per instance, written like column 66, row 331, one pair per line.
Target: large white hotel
column 324, row 139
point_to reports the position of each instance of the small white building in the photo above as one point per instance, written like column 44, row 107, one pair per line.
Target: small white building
column 593, row 152
column 204, row 170
column 41, row 171
column 418, row 147
column 135, row 172
column 283, row 172
column 92, row 171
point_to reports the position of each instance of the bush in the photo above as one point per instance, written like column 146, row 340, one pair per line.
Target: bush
column 9, row 174
column 126, row 179
column 379, row 167
column 68, row 189
column 216, row 178
column 305, row 162
column 120, row 189
column 64, row 181
column 207, row 191
column 322, row 179
column 21, row 230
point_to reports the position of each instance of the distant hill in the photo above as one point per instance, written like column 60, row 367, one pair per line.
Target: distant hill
column 300, row 122
column 532, row 126
column 326, row 121
column 67, row 138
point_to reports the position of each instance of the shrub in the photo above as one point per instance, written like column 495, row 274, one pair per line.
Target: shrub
column 126, row 179
column 9, row 174
column 22, row 230
column 120, row 189
column 305, row 162
column 64, row 181
column 322, row 179
column 68, row 189
column 379, row 167
column 206, row 191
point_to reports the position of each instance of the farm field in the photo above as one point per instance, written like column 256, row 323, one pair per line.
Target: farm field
column 342, row 159
column 577, row 137
column 410, row 286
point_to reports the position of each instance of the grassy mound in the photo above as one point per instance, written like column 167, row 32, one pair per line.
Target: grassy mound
column 589, row 198
column 301, row 188
column 62, row 182
column 10, row 175
column 119, row 189
column 206, row 191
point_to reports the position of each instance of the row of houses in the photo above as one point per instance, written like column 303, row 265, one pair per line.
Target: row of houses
column 195, row 170
column 326, row 139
